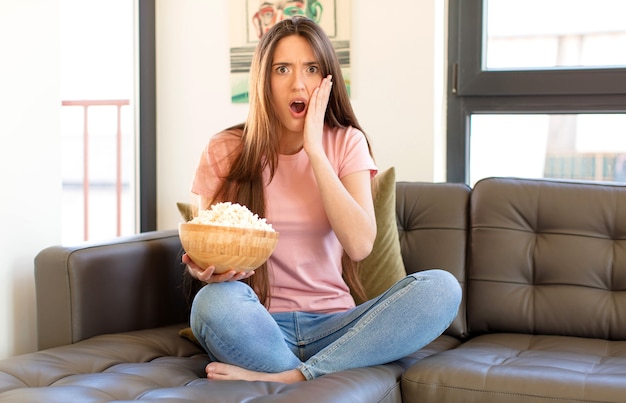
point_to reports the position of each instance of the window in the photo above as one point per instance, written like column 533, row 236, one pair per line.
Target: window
column 97, row 119
column 563, row 34
column 101, row 184
column 536, row 91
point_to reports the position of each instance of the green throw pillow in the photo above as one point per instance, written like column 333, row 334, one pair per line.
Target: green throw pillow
column 188, row 334
column 384, row 266
column 186, row 210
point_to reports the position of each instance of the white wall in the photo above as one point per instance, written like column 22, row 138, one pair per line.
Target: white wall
column 30, row 206
column 397, row 72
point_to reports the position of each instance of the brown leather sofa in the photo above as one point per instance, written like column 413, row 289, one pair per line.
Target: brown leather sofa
column 542, row 264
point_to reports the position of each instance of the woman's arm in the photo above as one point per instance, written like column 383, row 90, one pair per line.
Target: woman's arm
column 347, row 201
column 349, row 207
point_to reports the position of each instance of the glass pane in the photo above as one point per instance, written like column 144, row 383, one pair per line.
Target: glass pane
column 568, row 146
column 97, row 118
column 555, row 34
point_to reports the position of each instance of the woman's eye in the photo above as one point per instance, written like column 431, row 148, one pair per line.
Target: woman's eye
column 281, row 69
column 313, row 69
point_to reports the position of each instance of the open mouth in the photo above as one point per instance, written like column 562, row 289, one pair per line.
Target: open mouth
column 297, row 106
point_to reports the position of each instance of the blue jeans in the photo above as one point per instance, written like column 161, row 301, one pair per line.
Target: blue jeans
column 235, row 328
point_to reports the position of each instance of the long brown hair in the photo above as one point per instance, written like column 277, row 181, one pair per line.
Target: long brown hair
column 260, row 134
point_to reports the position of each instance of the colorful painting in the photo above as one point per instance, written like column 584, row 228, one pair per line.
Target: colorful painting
column 250, row 19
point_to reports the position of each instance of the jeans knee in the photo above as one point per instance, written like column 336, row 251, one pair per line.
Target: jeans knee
column 447, row 281
column 216, row 300
column 451, row 289
column 444, row 286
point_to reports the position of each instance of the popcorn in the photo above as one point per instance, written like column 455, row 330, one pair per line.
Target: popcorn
column 229, row 214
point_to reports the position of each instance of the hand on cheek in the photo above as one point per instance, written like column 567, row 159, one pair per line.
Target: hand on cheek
column 314, row 123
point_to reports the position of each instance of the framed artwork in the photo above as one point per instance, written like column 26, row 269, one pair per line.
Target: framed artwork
column 250, row 19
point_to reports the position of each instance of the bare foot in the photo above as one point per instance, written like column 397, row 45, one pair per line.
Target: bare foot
column 221, row 371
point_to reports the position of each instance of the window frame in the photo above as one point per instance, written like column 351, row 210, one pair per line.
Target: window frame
column 473, row 89
column 147, row 194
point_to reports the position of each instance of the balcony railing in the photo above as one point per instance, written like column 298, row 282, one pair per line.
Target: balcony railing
column 609, row 167
column 86, row 106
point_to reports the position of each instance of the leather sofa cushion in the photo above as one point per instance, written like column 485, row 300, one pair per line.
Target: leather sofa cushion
column 104, row 368
column 521, row 368
column 432, row 222
column 548, row 257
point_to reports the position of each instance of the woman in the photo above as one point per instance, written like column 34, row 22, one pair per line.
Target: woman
column 302, row 161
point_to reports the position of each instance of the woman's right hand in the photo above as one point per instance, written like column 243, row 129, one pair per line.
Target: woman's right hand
column 208, row 276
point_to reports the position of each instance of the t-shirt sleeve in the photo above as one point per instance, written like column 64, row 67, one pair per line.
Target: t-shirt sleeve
column 352, row 153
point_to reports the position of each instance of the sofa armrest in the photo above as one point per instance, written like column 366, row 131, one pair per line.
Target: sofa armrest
column 128, row 283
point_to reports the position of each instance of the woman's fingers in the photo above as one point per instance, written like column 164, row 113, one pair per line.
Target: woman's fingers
column 230, row 275
column 321, row 96
column 208, row 275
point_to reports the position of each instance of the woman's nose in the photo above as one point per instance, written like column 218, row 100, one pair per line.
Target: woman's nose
column 298, row 80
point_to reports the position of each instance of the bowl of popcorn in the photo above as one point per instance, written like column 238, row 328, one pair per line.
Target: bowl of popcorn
column 228, row 236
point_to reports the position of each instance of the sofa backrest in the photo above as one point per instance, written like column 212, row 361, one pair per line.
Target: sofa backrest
column 547, row 257
column 432, row 224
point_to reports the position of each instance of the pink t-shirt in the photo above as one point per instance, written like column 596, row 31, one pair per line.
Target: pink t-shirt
column 305, row 268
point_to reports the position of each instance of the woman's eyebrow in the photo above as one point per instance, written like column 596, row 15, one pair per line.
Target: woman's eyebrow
column 279, row 63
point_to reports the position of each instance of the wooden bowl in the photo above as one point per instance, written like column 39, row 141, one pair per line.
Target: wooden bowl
column 226, row 248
